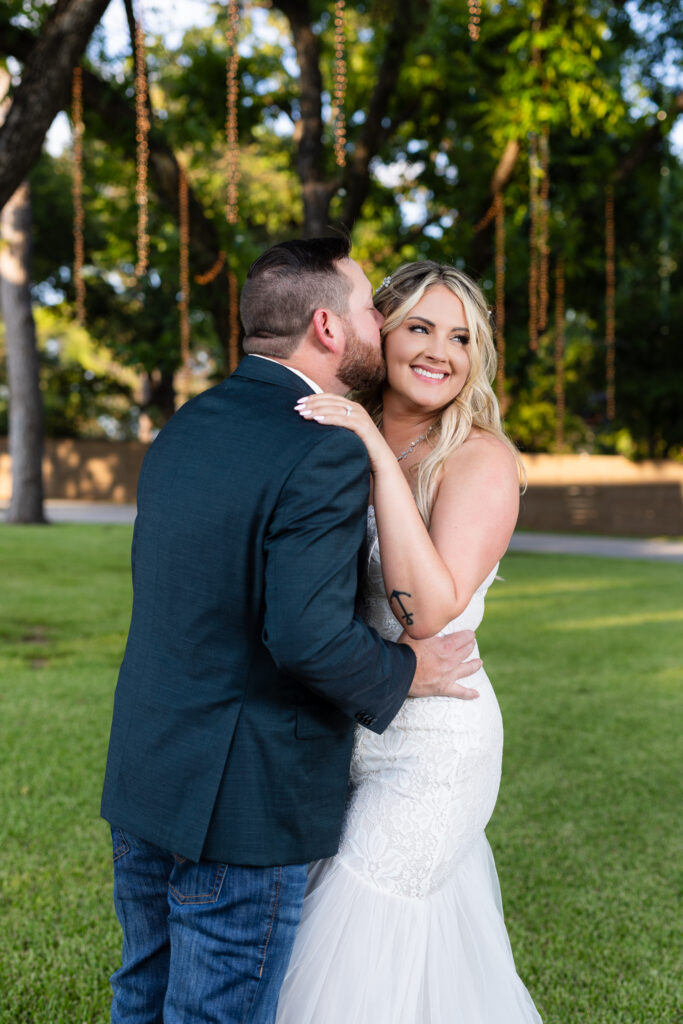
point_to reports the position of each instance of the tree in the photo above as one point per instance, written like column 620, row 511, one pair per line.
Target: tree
column 45, row 87
column 26, row 408
column 26, row 412
column 436, row 124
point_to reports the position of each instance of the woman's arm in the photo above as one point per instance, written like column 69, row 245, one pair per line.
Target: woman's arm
column 472, row 520
column 430, row 577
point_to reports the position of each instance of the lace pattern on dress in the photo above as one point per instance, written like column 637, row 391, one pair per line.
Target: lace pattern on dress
column 423, row 791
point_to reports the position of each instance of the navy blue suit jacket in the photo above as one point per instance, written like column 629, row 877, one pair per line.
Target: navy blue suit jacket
column 246, row 669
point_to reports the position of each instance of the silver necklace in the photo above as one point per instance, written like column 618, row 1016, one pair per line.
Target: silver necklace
column 414, row 444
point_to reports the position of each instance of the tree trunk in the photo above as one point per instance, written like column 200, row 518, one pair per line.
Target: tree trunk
column 157, row 392
column 26, row 404
column 112, row 105
column 45, row 87
column 316, row 191
column 408, row 23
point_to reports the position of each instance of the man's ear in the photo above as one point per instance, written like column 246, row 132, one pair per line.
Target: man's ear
column 328, row 329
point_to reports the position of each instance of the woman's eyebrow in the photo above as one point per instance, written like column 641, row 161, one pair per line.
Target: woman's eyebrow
column 430, row 323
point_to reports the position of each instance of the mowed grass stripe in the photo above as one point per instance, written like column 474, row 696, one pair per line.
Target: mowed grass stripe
column 586, row 658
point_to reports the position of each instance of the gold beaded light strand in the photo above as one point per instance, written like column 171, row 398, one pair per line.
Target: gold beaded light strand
column 500, row 298
column 533, row 242
column 339, row 84
column 142, row 127
column 487, row 218
column 184, row 256
column 231, row 133
column 212, row 273
column 77, row 190
column 543, row 221
column 610, row 321
column 234, row 340
column 474, row 7
column 559, row 354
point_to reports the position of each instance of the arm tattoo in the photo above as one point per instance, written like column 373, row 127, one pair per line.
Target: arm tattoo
column 397, row 595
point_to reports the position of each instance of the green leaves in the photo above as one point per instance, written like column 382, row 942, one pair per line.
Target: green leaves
column 594, row 75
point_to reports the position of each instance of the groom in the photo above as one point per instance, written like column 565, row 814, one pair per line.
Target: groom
column 245, row 670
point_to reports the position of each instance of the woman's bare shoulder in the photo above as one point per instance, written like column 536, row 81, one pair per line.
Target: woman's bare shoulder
column 477, row 434
column 482, row 450
column 484, row 465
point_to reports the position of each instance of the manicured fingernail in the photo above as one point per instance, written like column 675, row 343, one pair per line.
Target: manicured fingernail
column 304, row 412
column 320, row 419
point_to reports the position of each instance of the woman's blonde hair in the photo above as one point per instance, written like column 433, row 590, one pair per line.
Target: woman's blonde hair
column 476, row 405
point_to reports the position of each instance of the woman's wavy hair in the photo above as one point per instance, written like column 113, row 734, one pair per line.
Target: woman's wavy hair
column 476, row 405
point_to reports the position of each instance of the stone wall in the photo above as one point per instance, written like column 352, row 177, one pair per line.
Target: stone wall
column 601, row 494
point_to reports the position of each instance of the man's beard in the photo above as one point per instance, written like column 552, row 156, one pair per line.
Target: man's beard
column 362, row 366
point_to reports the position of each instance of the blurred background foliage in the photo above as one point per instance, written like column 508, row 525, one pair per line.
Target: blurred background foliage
column 601, row 76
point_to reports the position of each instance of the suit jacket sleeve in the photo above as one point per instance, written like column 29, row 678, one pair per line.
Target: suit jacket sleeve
column 312, row 550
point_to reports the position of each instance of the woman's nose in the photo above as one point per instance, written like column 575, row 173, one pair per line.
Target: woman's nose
column 437, row 347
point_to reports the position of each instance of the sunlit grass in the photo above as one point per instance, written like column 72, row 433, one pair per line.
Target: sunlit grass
column 65, row 603
column 586, row 657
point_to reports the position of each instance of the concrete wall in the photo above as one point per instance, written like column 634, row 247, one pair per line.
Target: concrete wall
column 83, row 470
column 603, row 494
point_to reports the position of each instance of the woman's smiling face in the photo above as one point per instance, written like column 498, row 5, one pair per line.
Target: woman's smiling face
column 427, row 355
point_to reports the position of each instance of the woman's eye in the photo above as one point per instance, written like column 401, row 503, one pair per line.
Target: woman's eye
column 418, row 329
column 462, row 338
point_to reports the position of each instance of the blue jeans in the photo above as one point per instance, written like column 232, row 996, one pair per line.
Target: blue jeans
column 203, row 943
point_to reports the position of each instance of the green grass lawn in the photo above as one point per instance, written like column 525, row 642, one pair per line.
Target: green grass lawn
column 586, row 656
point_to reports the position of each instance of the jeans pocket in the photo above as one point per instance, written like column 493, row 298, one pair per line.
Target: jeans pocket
column 120, row 844
column 192, row 882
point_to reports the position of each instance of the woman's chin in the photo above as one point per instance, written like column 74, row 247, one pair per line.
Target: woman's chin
column 432, row 400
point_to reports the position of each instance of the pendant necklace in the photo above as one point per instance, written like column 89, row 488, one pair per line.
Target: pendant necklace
column 413, row 444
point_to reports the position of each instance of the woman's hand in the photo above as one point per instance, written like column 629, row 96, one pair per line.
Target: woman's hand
column 341, row 412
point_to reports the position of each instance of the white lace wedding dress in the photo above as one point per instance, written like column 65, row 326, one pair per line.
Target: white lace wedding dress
column 405, row 924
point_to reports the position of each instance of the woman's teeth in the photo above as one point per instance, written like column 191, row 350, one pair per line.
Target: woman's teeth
column 426, row 373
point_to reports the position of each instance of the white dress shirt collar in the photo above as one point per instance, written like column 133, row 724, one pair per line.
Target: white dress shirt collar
column 311, row 383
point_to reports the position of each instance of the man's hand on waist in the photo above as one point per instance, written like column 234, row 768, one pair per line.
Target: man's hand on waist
column 441, row 662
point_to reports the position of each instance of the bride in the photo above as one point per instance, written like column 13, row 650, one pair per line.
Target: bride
column 405, row 924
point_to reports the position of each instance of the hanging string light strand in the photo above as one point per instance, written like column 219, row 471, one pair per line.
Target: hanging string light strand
column 559, row 354
column 486, row 219
column 234, row 340
column 77, row 190
column 610, row 321
column 184, row 259
column 500, row 298
column 339, row 98
column 543, row 223
column 534, row 171
column 474, row 7
column 212, row 273
column 142, row 127
column 231, row 126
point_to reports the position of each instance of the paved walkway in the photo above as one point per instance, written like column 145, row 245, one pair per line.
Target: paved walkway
column 85, row 512
column 645, row 549
column 544, row 543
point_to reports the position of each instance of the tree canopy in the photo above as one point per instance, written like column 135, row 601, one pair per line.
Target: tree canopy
column 555, row 104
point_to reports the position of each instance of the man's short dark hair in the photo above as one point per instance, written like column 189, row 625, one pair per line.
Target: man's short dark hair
column 285, row 286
